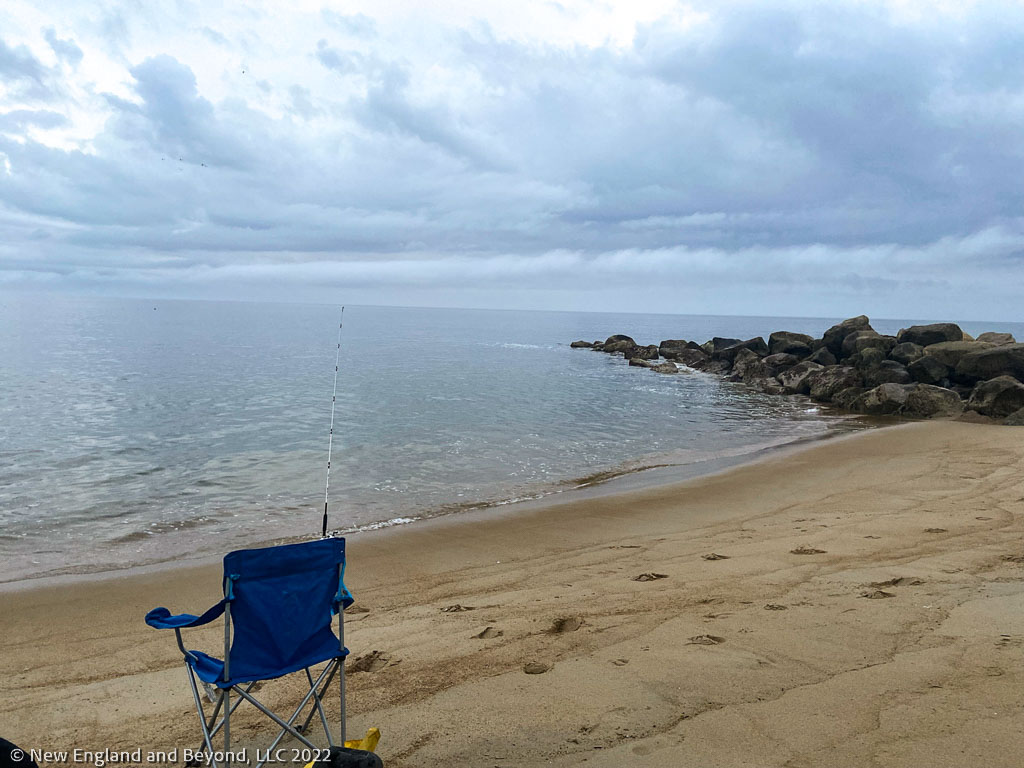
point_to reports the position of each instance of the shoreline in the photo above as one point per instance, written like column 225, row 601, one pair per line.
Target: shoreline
column 859, row 601
column 607, row 483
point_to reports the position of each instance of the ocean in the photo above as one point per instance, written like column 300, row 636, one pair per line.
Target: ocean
column 138, row 431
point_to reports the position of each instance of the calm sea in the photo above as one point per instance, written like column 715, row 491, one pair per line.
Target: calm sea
column 134, row 431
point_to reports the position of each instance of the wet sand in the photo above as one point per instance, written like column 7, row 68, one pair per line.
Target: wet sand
column 858, row 602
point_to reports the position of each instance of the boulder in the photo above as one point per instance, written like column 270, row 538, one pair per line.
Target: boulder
column 999, row 339
column 1005, row 360
column 823, row 384
column 887, row 372
column 949, row 352
column 710, row 366
column 618, row 343
column 883, row 400
column 1015, row 419
column 822, row 356
column 669, row 347
column 867, row 358
column 858, row 341
column 769, row 385
column 787, row 342
column 719, row 342
column 931, row 334
column 845, row 398
column 834, row 336
column 998, row 397
column 690, row 357
column 639, row 362
column 581, row 345
column 906, row 352
column 928, row 370
column 650, row 352
column 794, row 380
column 665, row 368
column 747, row 366
column 755, row 345
column 926, row 402
column 781, row 360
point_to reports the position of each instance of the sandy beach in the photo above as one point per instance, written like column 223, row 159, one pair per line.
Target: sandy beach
column 859, row 602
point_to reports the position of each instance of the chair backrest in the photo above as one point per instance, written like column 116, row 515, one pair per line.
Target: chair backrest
column 282, row 600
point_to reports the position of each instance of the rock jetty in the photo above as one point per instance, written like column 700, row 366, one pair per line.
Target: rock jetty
column 925, row 371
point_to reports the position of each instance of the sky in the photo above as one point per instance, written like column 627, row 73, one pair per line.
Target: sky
column 757, row 158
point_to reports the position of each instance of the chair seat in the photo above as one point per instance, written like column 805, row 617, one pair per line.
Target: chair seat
column 211, row 670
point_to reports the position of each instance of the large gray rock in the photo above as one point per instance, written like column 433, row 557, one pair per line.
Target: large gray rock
column 928, row 370
column 823, row 384
column 950, row 352
column 618, row 343
column 867, row 358
column 769, row 386
column 845, row 398
column 710, row 366
column 747, row 366
column 834, row 336
column 639, row 362
column 927, row 402
column 794, row 380
column 669, row 347
column 1015, row 419
column 883, row 400
column 665, row 368
column 999, row 339
column 931, row 334
column 690, row 357
column 781, row 360
column 755, row 345
column 787, row 342
column 858, row 341
column 1006, row 360
column 581, row 345
column 887, row 372
column 998, row 397
column 650, row 352
column 906, row 352
column 822, row 356
column 717, row 343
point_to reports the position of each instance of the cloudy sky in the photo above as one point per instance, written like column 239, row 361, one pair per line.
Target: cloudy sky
column 772, row 157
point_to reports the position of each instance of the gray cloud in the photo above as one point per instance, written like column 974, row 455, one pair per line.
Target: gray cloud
column 772, row 156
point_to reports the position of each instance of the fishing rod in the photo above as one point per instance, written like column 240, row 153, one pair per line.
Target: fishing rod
column 330, row 435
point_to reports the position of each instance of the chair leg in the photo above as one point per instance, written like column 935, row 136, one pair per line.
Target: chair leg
column 326, row 686
column 226, row 695
column 318, row 707
column 202, row 717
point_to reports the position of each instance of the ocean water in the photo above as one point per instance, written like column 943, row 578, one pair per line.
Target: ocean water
column 135, row 431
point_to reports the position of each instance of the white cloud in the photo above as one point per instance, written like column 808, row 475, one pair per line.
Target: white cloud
column 788, row 155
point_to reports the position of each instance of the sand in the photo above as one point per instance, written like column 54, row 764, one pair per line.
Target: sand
column 857, row 603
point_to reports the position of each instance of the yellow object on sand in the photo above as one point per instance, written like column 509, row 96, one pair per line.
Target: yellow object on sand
column 367, row 743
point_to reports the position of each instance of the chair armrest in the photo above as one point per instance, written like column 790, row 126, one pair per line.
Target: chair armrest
column 161, row 618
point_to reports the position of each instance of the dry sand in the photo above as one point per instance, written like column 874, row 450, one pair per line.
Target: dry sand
column 899, row 643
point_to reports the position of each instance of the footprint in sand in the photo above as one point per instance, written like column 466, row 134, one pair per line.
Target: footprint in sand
column 356, row 609
column 877, row 594
column 620, row 662
column 1013, row 558
column 536, row 668
column 374, row 661
column 935, row 530
column 775, row 607
column 488, row 633
column 714, row 556
column 564, row 624
column 898, row 581
column 872, row 537
column 650, row 576
column 457, row 608
column 805, row 550
column 706, row 640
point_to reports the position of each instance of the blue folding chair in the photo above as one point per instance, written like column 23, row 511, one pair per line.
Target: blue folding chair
column 278, row 612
